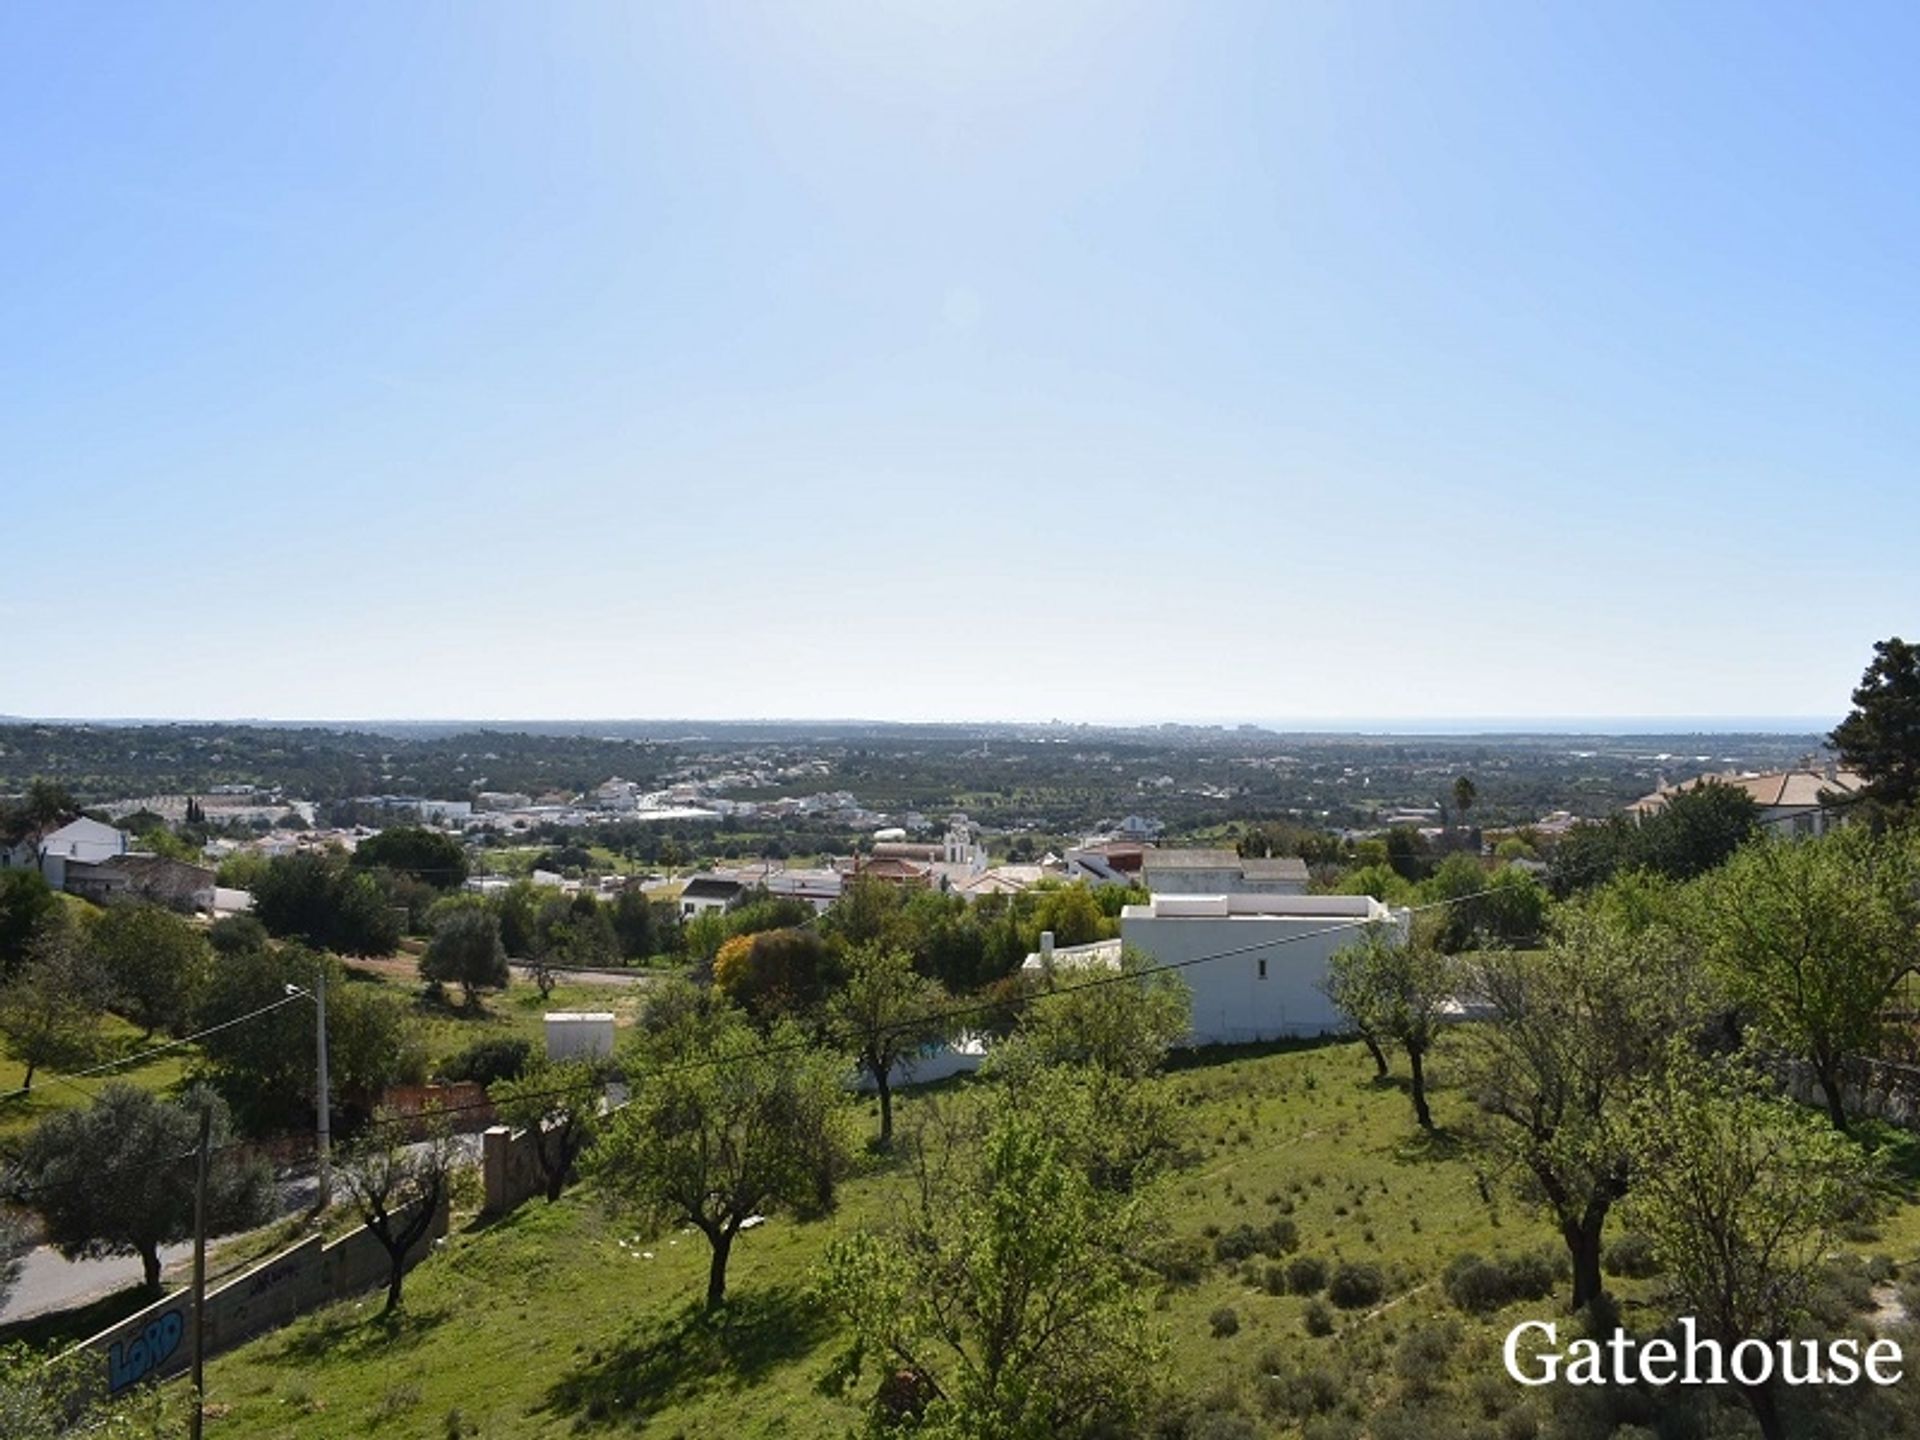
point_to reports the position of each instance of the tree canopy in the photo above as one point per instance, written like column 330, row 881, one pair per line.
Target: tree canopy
column 425, row 854
column 1880, row 738
column 155, row 961
column 724, row 1125
column 1810, row 937
column 466, row 951
column 117, row 1178
column 321, row 900
column 1009, row 1301
column 886, row 1012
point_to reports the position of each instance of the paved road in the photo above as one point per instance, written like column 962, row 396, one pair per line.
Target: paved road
column 48, row 1282
column 596, row 977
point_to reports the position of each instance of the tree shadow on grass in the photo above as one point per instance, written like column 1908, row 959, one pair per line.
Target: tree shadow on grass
column 1423, row 1147
column 349, row 1333
column 667, row 1359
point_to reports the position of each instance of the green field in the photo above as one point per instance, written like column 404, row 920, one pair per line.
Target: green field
column 546, row 1323
column 54, row 1091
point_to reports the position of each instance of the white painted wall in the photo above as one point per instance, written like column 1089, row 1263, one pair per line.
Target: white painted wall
column 1264, row 994
column 579, row 1034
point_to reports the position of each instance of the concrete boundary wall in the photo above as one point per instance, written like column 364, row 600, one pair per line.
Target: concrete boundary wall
column 157, row 1342
column 509, row 1169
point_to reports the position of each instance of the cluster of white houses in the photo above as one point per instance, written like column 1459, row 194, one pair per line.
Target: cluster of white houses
column 88, row 858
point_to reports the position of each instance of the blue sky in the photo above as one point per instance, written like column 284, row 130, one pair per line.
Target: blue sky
column 955, row 360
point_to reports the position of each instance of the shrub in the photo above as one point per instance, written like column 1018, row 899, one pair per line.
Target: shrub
column 1273, row 1280
column 1306, row 1275
column 1421, row 1361
column 1354, row 1286
column 1221, row 1425
column 1631, row 1256
column 1225, row 1321
column 487, row 1061
column 1479, row 1286
column 1183, row 1260
column 1280, row 1237
column 1319, row 1319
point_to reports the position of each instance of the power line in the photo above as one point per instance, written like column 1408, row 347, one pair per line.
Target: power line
column 925, row 1020
column 141, row 1057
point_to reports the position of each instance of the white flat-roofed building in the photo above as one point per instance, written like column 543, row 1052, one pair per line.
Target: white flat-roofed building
column 579, row 1034
column 1272, row 953
column 1218, row 872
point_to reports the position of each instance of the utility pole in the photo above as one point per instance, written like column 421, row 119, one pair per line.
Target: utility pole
column 325, row 1104
column 200, row 1271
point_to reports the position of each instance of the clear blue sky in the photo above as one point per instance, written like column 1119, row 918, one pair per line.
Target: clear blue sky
column 970, row 360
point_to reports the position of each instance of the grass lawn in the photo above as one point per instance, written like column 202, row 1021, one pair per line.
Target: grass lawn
column 513, row 1013
column 563, row 1319
column 53, row 1091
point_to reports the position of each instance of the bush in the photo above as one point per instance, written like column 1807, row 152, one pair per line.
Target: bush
column 1225, row 1321
column 1631, row 1256
column 1355, row 1286
column 1279, row 1238
column 1480, row 1286
column 1220, row 1425
column 1306, row 1275
column 1319, row 1319
column 1184, row 1260
column 487, row 1061
column 1421, row 1361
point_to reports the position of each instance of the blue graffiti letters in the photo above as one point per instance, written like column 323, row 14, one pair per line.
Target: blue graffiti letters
column 130, row 1360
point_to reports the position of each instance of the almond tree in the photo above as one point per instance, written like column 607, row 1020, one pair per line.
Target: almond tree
column 1743, row 1195
column 886, row 1012
column 1573, row 1035
column 724, row 1124
column 399, row 1187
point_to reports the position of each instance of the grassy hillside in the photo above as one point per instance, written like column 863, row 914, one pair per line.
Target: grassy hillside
column 53, row 1090
column 563, row 1319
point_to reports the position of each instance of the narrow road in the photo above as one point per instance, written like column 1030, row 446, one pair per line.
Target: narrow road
column 48, row 1282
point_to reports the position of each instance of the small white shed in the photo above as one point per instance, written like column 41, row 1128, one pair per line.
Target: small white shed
column 579, row 1034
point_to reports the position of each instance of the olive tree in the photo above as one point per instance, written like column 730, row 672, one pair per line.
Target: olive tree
column 724, row 1125
column 1810, row 938
column 117, row 1178
column 466, row 951
column 1572, row 1035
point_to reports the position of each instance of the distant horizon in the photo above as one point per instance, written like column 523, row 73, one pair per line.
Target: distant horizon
column 1412, row 726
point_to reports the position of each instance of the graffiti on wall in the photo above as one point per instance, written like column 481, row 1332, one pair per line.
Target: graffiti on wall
column 144, row 1354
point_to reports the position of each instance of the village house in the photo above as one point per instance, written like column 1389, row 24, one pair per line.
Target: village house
column 1222, row 872
column 710, row 894
column 1255, row 965
column 1796, row 802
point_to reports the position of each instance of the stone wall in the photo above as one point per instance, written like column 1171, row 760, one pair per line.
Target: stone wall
column 157, row 1342
column 509, row 1168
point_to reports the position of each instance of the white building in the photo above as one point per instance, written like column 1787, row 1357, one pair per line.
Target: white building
column 1253, row 964
column 1791, row 802
column 78, row 842
column 579, row 1034
column 1222, row 872
column 704, row 893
